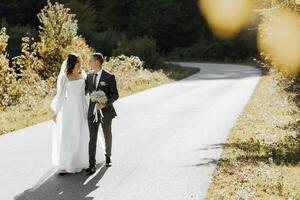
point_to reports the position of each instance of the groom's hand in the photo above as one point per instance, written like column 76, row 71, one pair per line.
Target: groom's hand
column 100, row 106
column 54, row 118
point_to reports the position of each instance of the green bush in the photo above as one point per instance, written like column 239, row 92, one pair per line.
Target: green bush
column 145, row 48
column 196, row 51
column 217, row 50
column 106, row 41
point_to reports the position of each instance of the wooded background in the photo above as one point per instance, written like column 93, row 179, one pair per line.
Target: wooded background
column 175, row 28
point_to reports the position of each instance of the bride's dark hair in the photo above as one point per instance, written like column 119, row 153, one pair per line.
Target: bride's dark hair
column 71, row 62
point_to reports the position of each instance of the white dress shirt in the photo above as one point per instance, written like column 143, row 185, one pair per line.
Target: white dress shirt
column 99, row 73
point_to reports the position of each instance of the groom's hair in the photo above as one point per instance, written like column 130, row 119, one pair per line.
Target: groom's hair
column 99, row 57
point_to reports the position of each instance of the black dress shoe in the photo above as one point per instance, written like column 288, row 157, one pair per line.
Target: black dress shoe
column 108, row 162
column 62, row 172
column 91, row 169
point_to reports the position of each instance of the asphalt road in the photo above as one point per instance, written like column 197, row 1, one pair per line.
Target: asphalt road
column 166, row 143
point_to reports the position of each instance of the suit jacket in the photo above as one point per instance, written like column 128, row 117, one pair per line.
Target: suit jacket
column 108, row 85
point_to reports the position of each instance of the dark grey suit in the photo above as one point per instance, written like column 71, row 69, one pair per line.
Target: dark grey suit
column 111, row 91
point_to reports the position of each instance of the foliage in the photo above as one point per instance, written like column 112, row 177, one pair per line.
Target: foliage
column 31, row 86
column 22, row 13
column 174, row 25
column 86, row 14
column 144, row 48
column 28, row 60
column 106, row 41
column 79, row 46
column 15, row 40
column 39, row 62
column 241, row 48
column 130, row 72
column 8, row 83
column 168, row 21
column 57, row 30
column 261, row 155
column 131, row 78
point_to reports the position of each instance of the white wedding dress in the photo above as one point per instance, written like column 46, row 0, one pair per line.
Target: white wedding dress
column 70, row 139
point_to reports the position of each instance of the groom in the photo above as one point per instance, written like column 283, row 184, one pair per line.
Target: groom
column 100, row 80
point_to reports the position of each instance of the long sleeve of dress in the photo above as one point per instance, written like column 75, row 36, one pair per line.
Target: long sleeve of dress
column 83, row 74
column 60, row 96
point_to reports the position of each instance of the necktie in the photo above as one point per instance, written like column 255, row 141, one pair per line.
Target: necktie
column 95, row 80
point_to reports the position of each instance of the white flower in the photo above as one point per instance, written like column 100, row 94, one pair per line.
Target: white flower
column 102, row 83
column 99, row 96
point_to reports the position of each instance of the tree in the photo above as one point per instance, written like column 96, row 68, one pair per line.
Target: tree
column 86, row 14
column 145, row 48
column 57, row 30
column 178, row 24
column 168, row 21
column 21, row 12
column 116, row 14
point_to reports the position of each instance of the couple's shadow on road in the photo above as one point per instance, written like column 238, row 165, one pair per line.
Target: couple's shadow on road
column 64, row 187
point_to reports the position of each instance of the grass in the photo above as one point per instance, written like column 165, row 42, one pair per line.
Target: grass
column 21, row 116
column 261, row 158
column 172, row 73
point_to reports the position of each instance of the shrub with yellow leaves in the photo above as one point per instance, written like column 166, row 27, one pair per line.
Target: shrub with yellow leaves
column 58, row 35
column 130, row 73
column 31, row 86
column 58, row 38
column 79, row 46
column 8, row 83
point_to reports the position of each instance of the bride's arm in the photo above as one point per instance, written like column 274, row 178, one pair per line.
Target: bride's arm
column 83, row 74
column 60, row 96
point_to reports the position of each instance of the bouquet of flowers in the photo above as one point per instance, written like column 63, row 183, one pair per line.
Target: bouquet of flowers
column 98, row 97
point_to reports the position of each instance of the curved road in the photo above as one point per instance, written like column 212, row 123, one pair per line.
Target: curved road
column 166, row 142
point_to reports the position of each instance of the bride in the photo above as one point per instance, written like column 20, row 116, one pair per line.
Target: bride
column 70, row 131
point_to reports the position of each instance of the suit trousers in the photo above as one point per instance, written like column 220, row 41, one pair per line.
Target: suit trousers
column 106, row 128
